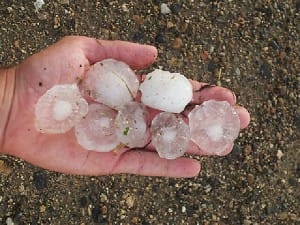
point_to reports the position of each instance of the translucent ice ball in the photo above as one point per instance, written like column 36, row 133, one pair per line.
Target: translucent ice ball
column 97, row 131
column 131, row 123
column 111, row 82
column 59, row 109
column 166, row 91
column 214, row 125
column 170, row 135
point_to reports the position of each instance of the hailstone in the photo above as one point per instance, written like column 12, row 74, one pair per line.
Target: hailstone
column 97, row 131
column 170, row 135
column 59, row 109
column 166, row 91
column 131, row 123
column 112, row 83
column 214, row 125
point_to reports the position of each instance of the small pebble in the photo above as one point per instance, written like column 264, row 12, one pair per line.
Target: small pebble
column 160, row 39
column 9, row 9
column 256, row 21
column 137, row 19
column 9, row 221
column 237, row 71
column 130, row 201
column 248, row 150
column 279, row 154
column 204, row 55
column 64, row 2
column 250, row 179
column 40, row 180
column 4, row 169
column 38, row 4
column 42, row 208
column 175, row 8
column 265, row 69
column 164, row 9
column 177, row 43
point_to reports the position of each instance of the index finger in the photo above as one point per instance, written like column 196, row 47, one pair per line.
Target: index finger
column 137, row 56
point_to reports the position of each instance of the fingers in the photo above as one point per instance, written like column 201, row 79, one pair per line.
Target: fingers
column 195, row 150
column 204, row 92
column 150, row 164
column 135, row 55
column 139, row 162
column 244, row 116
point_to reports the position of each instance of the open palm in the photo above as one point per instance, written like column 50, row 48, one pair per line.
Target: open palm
column 66, row 62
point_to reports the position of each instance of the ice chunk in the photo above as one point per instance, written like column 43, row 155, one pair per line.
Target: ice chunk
column 166, row 91
column 170, row 135
column 131, row 123
column 59, row 109
column 97, row 131
column 214, row 126
column 112, row 83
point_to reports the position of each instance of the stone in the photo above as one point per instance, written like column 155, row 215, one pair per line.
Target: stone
column 177, row 43
column 38, row 4
column 164, row 9
column 279, row 154
column 4, row 169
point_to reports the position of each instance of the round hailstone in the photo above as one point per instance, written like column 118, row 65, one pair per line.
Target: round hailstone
column 112, row 83
column 97, row 131
column 59, row 109
column 166, row 91
column 170, row 135
column 214, row 126
column 131, row 123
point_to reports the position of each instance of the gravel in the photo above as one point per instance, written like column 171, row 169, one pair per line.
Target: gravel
column 250, row 46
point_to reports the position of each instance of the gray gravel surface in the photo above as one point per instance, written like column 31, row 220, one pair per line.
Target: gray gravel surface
column 251, row 47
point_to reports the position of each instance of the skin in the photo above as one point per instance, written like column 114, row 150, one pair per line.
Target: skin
column 66, row 62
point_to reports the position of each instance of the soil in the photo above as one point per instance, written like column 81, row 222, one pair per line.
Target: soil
column 251, row 47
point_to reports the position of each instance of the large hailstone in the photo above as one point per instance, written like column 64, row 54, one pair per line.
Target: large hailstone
column 214, row 125
column 59, row 109
column 166, row 91
column 170, row 135
column 131, row 123
column 112, row 83
column 97, row 131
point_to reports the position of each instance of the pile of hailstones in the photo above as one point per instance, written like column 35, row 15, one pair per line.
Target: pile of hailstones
column 113, row 118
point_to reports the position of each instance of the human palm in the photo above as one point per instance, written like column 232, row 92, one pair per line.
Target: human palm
column 66, row 62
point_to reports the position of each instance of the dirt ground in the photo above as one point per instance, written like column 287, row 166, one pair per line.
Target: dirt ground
column 251, row 47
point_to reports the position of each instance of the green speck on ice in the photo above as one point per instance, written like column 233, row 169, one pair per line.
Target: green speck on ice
column 125, row 132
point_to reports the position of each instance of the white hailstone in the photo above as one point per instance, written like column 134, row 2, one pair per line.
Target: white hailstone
column 166, row 91
column 97, row 131
column 170, row 135
column 112, row 83
column 214, row 125
column 59, row 109
column 131, row 123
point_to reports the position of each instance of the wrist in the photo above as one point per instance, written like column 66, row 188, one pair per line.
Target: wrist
column 7, row 90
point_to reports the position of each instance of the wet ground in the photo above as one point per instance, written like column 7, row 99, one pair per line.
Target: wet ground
column 251, row 47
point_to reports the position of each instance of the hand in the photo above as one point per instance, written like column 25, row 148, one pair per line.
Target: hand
column 65, row 62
